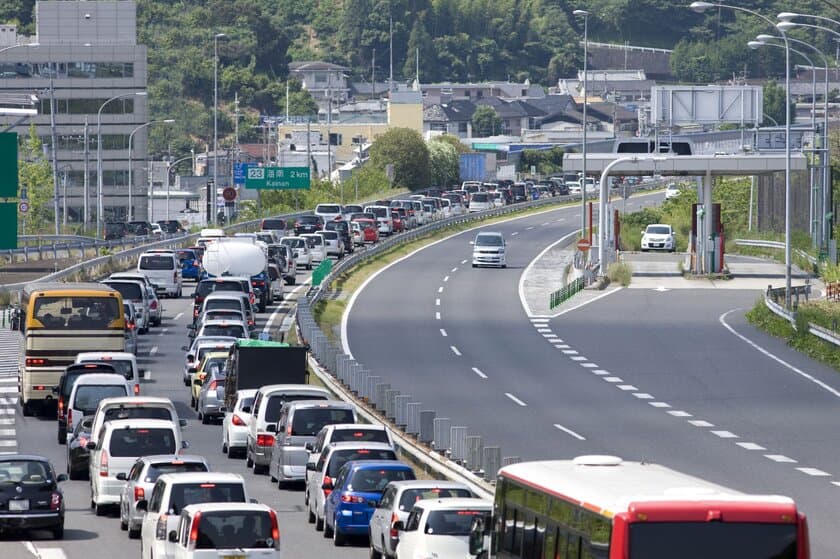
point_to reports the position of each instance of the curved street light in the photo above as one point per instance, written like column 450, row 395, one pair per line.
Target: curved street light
column 130, row 178
column 216, row 38
column 169, row 165
column 585, row 15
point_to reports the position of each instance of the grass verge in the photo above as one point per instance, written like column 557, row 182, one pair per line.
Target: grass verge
column 761, row 317
column 328, row 313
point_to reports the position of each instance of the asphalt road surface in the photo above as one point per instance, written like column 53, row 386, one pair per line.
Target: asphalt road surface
column 664, row 376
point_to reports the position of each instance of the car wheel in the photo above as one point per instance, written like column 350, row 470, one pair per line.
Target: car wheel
column 310, row 517
column 133, row 533
column 58, row 532
column 339, row 539
column 100, row 510
column 192, row 400
column 328, row 531
column 123, row 523
column 225, row 448
column 248, row 462
column 373, row 554
column 319, row 522
column 309, row 266
column 27, row 409
column 205, row 420
column 62, row 437
column 258, row 470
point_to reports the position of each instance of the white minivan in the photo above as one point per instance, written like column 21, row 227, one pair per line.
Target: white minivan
column 163, row 269
column 440, row 527
column 89, row 390
column 489, row 249
column 219, row 530
column 125, row 363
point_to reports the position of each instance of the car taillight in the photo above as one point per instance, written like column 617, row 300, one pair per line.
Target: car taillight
column 37, row 362
column 61, row 407
column 139, row 493
column 131, row 325
column 160, row 528
column 394, row 532
column 352, row 499
column 175, row 275
column 265, row 440
column 103, row 464
column 236, row 420
column 251, row 297
column 327, row 480
column 194, row 530
column 212, row 386
column 153, row 305
column 136, row 389
column 289, row 431
column 275, row 528
column 195, row 313
column 69, row 416
column 55, row 501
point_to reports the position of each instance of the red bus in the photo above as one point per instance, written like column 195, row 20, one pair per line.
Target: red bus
column 601, row 507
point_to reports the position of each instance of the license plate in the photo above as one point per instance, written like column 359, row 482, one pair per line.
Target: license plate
column 22, row 504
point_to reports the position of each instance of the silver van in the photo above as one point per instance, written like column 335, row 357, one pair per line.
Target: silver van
column 299, row 424
column 163, row 269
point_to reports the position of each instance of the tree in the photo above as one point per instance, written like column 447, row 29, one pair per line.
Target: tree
column 774, row 103
column 443, row 158
column 459, row 146
column 407, row 152
column 35, row 175
column 486, row 121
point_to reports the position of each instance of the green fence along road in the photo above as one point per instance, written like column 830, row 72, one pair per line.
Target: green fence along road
column 565, row 293
column 322, row 271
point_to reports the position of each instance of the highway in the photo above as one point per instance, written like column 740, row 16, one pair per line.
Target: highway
column 90, row 537
column 664, row 376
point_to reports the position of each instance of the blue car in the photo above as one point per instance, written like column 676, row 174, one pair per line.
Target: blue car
column 355, row 494
column 190, row 264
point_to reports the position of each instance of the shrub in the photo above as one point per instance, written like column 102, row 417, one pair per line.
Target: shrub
column 620, row 272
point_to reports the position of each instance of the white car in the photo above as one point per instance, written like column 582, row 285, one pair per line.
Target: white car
column 125, row 363
column 140, row 481
column 659, row 236
column 316, row 246
column 220, row 530
column 173, row 492
column 333, row 245
column 235, row 423
column 89, row 390
column 481, row 201
column 489, row 249
column 303, row 256
column 163, row 269
column 155, row 306
column 231, row 328
column 672, row 191
column 574, row 187
column 440, row 527
column 122, row 442
column 329, row 212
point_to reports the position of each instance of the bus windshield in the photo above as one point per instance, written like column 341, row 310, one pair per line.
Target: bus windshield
column 73, row 313
column 721, row 540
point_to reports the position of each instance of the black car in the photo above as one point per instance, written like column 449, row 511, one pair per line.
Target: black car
column 171, row 226
column 309, row 224
column 139, row 228
column 65, row 387
column 115, row 230
column 78, row 454
column 343, row 229
column 30, row 498
column 207, row 286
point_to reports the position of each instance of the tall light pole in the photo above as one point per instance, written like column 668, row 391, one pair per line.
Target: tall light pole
column 99, row 195
column 216, row 38
column 169, row 165
column 130, row 178
column 585, row 15
column 701, row 7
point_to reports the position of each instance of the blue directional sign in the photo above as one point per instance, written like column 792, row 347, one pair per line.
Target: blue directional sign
column 240, row 171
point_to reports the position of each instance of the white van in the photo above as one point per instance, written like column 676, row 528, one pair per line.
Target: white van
column 481, row 201
column 316, row 245
column 121, row 443
column 163, row 269
column 489, row 249
column 125, row 364
column 329, row 212
column 140, row 407
column 266, row 411
column 384, row 222
column 89, row 390
column 213, row 530
column 440, row 527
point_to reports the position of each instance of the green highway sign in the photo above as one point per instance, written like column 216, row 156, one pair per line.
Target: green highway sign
column 277, row 178
column 8, row 165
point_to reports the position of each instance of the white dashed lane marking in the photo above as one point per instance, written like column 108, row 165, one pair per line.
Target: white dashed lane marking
column 443, row 332
column 153, row 350
column 455, row 350
column 514, row 233
column 437, row 316
column 437, row 302
column 626, row 387
column 455, row 269
column 464, row 261
column 814, row 472
column 570, row 432
column 781, row 458
column 680, row 413
column 178, row 316
column 440, row 289
column 445, row 279
column 477, row 371
column 516, row 400
column 529, row 228
column 613, row 379
column 751, row 446
column 725, row 434
column 643, row 396
column 700, row 423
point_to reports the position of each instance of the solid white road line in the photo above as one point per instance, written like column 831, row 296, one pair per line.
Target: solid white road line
column 570, row 432
column 779, row 360
column 443, row 332
column 455, row 350
column 178, row 316
column 516, row 400
column 478, row 372
column 751, row 446
column 780, row 458
column 530, row 265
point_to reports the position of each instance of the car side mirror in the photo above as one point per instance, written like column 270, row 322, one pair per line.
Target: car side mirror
column 246, row 409
column 91, row 445
column 173, row 536
column 223, row 409
column 142, row 504
column 182, row 422
column 309, row 446
column 311, row 467
column 185, row 348
column 271, row 428
column 398, row 525
column 185, row 444
column 192, row 370
column 61, row 477
column 122, row 477
column 190, row 327
column 55, row 390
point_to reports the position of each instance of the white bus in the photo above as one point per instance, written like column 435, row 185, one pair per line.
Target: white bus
column 600, row 507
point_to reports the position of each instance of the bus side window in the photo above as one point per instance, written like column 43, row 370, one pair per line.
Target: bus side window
column 550, row 545
column 509, row 525
column 573, row 551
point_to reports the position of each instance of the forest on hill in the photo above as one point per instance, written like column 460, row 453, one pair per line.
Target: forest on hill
column 457, row 40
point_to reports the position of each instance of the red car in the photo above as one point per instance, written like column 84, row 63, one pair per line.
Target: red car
column 370, row 233
column 399, row 225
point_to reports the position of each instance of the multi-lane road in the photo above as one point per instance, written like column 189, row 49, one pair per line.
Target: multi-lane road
column 677, row 377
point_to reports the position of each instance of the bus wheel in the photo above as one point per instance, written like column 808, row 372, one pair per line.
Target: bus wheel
column 28, row 409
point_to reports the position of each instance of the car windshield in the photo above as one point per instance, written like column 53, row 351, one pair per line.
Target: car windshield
column 275, row 404
column 489, row 240
column 328, row 209
column 23, row 471
column 294, row 243
column 172, row 467
column 308, row 421
column 233, row 330
column 375, row 480
column 88, row 396
column 341, row 457
column 411, row 496
column 453, row 522
column 234, row 529
column 215, row 365
column 138, row 412
column 270, row 224
column 479, row 197
column 247, row 402
column 658, row 230
column 128, row 290
column 183, row 494
column 223, row 314
column 223, row 304
column 122, row 367
column 70, row 377
column 309, row 219
column 379, row 212
column 330, row 235
column 207, row 287
column 185, row 255
column 202, row 351
column 156, row 262
column 132, row 441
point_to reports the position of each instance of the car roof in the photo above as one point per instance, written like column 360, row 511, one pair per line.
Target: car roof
column 193, row 458
column 353, row 445
column 428, row 484
column 306, row 404
column 216, row 354
column 201, row 477
column 455, row 503
column 100, row 378
column 222, row 321
column 140, row 424
column 225, row 295
column 106, row 356
column 358, row 426
column 135, row 401
column 246, row 393
column 31, row 457
column 217, row 507
column 375, row 464
column 269, row 388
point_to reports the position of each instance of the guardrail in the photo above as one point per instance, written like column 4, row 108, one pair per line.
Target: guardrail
column 777, row 245
column 772, row 295
column 72, row 243
column 448, row 449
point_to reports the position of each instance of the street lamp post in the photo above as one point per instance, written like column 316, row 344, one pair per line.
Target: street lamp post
column 585, row 15
column 701, row 7
column 216, row 38
column 169, row 165
column 130, row 178
column 99, row 195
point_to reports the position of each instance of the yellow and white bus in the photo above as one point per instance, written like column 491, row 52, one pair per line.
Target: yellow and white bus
column 62, row 320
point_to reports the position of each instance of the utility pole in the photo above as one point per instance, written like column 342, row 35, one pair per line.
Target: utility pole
column 86, row 179
column 373, row 76
column 54, row 142
column 417, row 65
column 329, row 124
column 391, row 53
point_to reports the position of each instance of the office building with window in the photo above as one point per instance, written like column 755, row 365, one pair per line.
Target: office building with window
column 84, row 64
